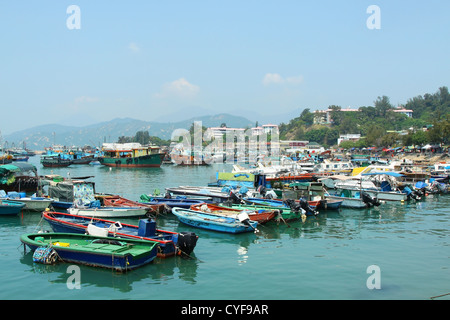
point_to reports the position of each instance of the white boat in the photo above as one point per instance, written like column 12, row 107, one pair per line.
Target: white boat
column 347, row 202
column 34, row 203
column 380, row 185
column 109, row 212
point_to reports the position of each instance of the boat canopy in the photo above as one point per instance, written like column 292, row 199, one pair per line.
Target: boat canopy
column 388, row 173
column 17, row 167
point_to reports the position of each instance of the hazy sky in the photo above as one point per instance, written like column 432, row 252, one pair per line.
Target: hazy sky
column 150, row 59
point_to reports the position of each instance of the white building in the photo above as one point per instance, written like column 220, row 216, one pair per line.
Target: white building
column 348, row 137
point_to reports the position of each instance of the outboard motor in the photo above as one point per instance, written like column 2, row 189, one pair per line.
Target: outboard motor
column 262, row 190
column 187, row 242
column 167, row 195
column 292, row 204
column 234, row 198
column 305, row 206
column 368, row 200
column 411, row 194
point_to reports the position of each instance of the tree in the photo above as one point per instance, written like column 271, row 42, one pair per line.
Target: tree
column 382, row 105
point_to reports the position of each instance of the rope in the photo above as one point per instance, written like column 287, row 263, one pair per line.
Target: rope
column 439, row 296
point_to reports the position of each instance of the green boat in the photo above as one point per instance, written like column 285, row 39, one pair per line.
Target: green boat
column 131, row 155
column 119, row 254
column 285, row 214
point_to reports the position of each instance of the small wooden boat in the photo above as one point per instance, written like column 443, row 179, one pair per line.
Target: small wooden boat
column 117, row 254
column 34, row 203
column 313, row 204
column 215, row 193
column 260, row 216
column 356, row 201
column 169, row 202
column 170, row 243
column 10, row 208
column 108, row 212
column 214, row 222
column 286, row 214
column 287, row 204
column 326, row 204
column 118, row 201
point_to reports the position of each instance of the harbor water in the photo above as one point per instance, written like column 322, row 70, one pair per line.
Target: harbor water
column 336, row 255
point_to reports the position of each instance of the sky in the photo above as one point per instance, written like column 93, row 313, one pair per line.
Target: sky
column 171, row 60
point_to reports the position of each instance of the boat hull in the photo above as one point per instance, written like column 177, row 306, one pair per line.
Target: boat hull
column 260, row 216
column 35, row 204
column 212, row 222
column 10, row 208
column 109, row 212
column 66, row 223
column 352, row 203
column 146, row 161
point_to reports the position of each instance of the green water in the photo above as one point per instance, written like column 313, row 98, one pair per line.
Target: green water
column 325, row 257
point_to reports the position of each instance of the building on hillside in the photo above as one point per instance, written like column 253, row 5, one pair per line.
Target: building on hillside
column 407, row 112
column 270, row 128
column 348, row 137
column 324, row 116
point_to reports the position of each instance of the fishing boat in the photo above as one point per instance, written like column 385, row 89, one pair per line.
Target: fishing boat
column 170, row 243
column 260, row 216
column 117, row 254
column 118, row 201
column 285, row 214
column 169, row 202
column 131, row 155
column 326, row 204
column 287, row 204
column 381, row 185
column 20, row 176
column 10, row 208
column 34, row 203
column 357, row 200
column 108, row 212
column 216, row 194
column 55, row 161
column 210, row 221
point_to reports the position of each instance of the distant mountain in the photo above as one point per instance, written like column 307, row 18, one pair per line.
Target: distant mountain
column 37, row 138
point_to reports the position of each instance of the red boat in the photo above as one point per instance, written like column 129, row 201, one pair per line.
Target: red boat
column 261, row 216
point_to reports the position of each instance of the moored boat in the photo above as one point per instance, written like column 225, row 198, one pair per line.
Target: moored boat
column 52, row 161
column 286, row 214
column 117, row 254
column 34, row 203
column 10, row 208
column 261, row 216
column 169, row 202
column 131, row 155
column 108, row 212
column 170, row 243
column 210, row 221
column 118, row 201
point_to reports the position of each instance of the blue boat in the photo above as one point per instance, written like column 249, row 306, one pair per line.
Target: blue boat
column 10, row 208
column 215, row 222
column 170, row 202
column 283, row 204
column 170, row 243
column 117, row 254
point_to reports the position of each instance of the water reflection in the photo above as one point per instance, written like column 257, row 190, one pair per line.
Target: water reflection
column 159, row 271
